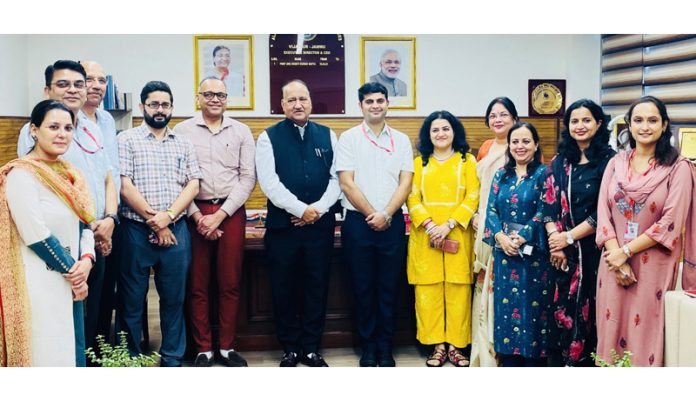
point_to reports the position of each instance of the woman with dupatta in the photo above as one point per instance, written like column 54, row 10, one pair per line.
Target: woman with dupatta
column 44, row 203
column 647, row 198
column 583, row 154
column 501, row 114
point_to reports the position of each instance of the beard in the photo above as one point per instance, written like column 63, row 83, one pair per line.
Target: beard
column 152, row 122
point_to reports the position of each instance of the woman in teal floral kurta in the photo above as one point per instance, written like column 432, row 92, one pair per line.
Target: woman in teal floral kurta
column 522, row 293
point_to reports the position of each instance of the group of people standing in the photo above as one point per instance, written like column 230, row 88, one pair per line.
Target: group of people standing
column 513, row 263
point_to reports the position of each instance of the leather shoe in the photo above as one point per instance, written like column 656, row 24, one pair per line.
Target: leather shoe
column 314, row 360
column 234, row 360
column 290, row 360
column 368, row 360
column 202, row 361
column 386, row 360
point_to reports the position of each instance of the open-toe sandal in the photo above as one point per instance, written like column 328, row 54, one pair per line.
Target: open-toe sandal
column 437, row 358
column 457, row 359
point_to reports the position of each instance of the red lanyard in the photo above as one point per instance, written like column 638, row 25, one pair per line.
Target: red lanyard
column 651, row 164
column 391, row 138
column 91, row 152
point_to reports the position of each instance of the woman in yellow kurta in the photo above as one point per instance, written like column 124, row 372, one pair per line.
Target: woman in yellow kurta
column 443, row 199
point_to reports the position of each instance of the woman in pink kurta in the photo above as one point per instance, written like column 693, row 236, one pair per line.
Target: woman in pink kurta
column 643, row 204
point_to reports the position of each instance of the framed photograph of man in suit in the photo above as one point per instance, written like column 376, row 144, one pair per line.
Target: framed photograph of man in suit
column 391, row 61
column 230, row 58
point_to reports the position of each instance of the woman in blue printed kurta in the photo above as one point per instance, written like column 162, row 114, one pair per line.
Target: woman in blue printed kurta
column 518, row 201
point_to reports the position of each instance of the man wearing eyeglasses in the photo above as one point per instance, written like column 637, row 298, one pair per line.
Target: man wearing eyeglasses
column 159, row 179
column 217, row 219
column 295, row 166
column 66, row 83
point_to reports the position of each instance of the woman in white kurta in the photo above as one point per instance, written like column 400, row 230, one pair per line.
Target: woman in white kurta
column 501, row 114
column 38, row 189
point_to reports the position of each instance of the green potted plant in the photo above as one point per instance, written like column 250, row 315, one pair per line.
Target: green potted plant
column 118, row 356
column 616, row 361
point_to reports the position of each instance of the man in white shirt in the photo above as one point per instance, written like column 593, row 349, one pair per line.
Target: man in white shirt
column 295, row 168
column 375, row 167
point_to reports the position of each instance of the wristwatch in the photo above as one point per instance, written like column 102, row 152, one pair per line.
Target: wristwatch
column 627, row 251
column 387, row 217
column 569, row 238
column 451, row 223
column 114, row 217
column 171, row 214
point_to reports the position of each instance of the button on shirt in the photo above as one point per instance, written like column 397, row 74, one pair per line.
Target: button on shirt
column 92, row 161
column 159, row 169
column 226, row 159
column 376, row 170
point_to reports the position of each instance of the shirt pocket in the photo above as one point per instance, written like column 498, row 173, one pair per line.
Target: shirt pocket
column 180, row 168
column 228, row 155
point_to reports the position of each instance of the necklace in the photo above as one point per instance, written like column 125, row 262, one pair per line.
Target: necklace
column 444, row 158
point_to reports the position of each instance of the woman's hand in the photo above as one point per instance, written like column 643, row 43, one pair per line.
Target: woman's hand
column 439, row 233
column 507, row 244
column 558, row 241
column 475, row 221
column 625, row 275
column 79, row 272
column 80, row 291
column 615, row 258
column 559, row 260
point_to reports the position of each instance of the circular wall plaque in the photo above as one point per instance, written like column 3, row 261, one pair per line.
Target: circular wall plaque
column 547, row 99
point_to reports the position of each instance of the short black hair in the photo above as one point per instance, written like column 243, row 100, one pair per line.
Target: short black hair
column 372, row 87
column 63, row 65
column 218, row 48
column 599, row 146
column 665, row 153
column 155, row 86
column 507, row 103
column 425, row 144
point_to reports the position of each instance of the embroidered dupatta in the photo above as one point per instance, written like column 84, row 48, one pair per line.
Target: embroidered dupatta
column 15, row 315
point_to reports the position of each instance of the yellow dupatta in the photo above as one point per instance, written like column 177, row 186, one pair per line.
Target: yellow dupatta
column 69, row 185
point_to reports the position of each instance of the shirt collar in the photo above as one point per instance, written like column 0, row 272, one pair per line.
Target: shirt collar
column 146, row 131
column 226, row 122
column 385, row 130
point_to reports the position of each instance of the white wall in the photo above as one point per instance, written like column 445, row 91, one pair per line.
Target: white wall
column 460, row 73
column 13, row 76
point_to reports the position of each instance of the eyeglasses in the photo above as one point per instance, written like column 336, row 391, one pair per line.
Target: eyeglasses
column 157, row 105
column 291, row 101
column 64, row 84
column 91, row 80
column 210, row 95
column 502, row 116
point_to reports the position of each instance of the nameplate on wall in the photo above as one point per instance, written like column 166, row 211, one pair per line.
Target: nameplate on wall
column 318, row 60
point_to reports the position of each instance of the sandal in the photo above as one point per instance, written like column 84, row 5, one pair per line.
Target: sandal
column 457, row 359
column 438, row 356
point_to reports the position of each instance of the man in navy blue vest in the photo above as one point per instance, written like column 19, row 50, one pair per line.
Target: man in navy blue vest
column 295, row 168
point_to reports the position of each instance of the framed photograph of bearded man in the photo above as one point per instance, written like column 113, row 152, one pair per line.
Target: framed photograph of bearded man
column 230, row 58
column 391, row 61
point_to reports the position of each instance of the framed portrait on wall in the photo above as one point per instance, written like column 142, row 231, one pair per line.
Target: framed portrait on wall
column 391, row 61
column 230, row 58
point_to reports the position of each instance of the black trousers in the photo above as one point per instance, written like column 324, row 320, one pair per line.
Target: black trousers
column 376, row 261
column 299, row 266
column 107, row 303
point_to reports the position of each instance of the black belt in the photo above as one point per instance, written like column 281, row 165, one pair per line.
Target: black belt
column 211, row 201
